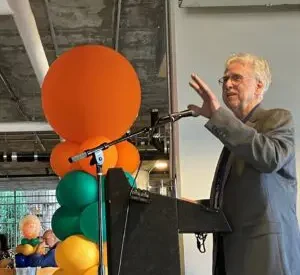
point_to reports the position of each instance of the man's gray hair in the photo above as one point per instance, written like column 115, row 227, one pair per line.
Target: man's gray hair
column 260, row 66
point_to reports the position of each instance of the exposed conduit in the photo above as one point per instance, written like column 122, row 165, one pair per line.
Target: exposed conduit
column 4, row 8
column 45, row 156
column 25, row 21
column 10, row 127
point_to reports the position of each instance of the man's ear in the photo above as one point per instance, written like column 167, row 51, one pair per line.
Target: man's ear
column 259, row 89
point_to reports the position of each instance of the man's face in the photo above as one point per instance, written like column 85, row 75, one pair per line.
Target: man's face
column 49, row 239
column 241, row 89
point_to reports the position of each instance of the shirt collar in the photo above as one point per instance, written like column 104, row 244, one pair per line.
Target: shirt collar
column 246, row 118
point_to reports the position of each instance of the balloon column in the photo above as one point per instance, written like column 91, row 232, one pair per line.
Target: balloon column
column 30, row 228
column 90, row 95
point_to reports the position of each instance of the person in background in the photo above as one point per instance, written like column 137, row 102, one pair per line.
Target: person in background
column 6, row 256
column 48, row 259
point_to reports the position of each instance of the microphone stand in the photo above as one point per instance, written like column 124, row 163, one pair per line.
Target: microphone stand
column 98, row 160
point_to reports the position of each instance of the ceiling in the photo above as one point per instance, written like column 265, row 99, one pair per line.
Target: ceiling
column 139, row 33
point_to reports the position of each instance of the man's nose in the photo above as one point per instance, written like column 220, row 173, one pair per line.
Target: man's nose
column 228, row 83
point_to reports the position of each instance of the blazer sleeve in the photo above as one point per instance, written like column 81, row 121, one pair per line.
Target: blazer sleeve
column 47, row 260
column 266, row 151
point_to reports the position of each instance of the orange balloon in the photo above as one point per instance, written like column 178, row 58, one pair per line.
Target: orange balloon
column 59, row 158
column 110, row 155
column 128, row 156
column 89, row 91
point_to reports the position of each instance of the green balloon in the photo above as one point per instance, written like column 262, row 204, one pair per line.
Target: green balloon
column 65, row 222
column 89, row 223
column 131, row 179
column 24, row 241
column 76, row 190
column 34, row 242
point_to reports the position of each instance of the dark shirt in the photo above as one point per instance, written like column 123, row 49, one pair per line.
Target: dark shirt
column 223, row 163
column 47, row 260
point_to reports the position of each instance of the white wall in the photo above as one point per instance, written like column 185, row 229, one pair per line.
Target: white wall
column 203, row 40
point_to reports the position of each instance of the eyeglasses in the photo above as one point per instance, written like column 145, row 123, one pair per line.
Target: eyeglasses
column 235, row 79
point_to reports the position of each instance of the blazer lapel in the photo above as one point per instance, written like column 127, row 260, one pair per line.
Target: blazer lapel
column 216, row 196
column 258, row 112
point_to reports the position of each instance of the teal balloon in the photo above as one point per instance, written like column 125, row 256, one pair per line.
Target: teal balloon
column 34, row 241
column 89, row 223
column 76, row 190
column 130, row 179
column 25, row 241
column 65, row 222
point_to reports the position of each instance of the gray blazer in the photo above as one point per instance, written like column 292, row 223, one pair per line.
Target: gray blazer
column 258, row 193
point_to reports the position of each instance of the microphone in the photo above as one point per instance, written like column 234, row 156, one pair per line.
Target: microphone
column 176, row 116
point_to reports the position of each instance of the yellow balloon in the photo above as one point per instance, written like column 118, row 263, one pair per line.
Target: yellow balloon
column 65, row 272
column 59, row 272
column 104, row 253
column 77, row 253
column 94, row 271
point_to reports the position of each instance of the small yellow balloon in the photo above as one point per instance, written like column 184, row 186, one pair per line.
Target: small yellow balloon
column 25, row 249
column 28, row 249
column 76, row 253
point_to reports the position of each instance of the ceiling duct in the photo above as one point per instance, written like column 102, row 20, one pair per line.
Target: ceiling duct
column 4, row 8
column 25, row 21
column 235, row 3
column 10, row 127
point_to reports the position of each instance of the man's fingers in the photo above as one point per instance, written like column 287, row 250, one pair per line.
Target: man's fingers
column 202, row 85
column 195, row 87
column 200, row 82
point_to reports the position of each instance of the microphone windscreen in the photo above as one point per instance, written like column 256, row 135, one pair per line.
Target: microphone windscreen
column 194, row 109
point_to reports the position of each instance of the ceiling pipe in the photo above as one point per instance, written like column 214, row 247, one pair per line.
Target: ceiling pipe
column 25, row 21
column 12, row 127
column 45, row 156
column 4, row 8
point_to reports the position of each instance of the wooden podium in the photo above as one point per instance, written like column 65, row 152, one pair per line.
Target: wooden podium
column 143, row 228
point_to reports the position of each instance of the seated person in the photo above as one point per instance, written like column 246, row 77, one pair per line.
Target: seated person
column 48, row 259
column 6, row 256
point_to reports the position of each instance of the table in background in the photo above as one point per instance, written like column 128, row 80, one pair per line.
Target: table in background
column 39, row 271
